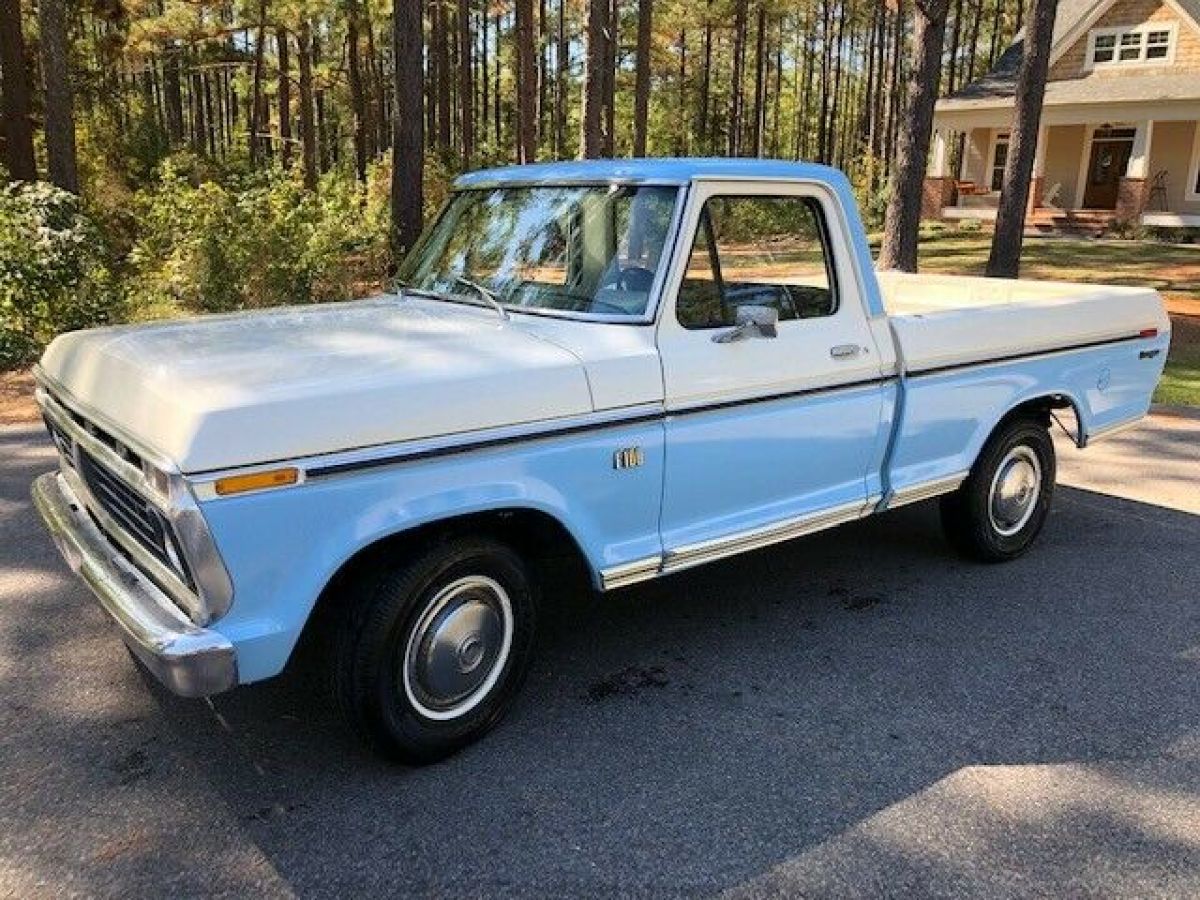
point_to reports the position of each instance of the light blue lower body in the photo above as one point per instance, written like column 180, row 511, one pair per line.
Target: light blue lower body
column 705, row 477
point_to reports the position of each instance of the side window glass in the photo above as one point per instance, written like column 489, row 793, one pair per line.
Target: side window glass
column 757, row 251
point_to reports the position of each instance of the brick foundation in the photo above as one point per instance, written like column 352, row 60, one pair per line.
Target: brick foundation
column 1132, row 194
column 936, row 194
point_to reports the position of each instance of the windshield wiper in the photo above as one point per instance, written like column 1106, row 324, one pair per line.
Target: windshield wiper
column 490, row 296
column 402, row 288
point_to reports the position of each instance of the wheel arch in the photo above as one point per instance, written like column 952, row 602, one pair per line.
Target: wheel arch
column 1042, row 407
column 537, row 535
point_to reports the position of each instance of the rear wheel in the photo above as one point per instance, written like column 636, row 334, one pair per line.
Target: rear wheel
column 998, row 512
column 430, row 654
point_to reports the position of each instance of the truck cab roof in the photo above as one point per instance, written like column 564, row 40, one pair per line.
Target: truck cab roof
column 648, row 171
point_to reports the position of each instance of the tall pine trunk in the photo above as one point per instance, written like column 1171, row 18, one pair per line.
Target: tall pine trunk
column 308, row 129
column 18, row 127
column 561, row 61
column 408, row 138
column 641, row 88
column 441, row 55
column 610, row 78
column 757, row 125
column 256, row 103
column 592, row 138
column 705, row 79
column 358, row 99
column 682, row 145
column 903, row 217
column 526, row 83
column 737, row 101
column 466, row 88
column 173, row 90
column 285, row 96
column 1004, row 261
column 60, row 99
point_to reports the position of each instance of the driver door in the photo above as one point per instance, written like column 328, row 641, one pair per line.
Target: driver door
column 765, row 434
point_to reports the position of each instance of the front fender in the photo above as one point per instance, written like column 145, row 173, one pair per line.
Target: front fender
column 282, row 547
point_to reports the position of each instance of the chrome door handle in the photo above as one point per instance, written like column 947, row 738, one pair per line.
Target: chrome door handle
column 845, row 351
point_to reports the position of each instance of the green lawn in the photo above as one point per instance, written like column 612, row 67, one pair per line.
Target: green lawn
column 1173, row 269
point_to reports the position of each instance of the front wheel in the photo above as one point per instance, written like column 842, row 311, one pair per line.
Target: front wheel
column 998, row 512
column 430, row 654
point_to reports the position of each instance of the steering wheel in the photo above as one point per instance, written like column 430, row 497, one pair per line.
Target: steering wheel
column 635, row 278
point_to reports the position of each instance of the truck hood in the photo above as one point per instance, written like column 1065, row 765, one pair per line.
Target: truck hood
column 232, row 390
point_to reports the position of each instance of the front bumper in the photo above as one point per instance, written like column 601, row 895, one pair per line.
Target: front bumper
column 189, row 660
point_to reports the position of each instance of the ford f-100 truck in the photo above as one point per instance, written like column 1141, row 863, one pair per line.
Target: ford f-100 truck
column 646, row 365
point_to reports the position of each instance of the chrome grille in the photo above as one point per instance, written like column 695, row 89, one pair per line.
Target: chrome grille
column 133, row 514
column 63, row 441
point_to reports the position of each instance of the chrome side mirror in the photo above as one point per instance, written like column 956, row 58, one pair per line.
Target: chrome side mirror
column 752, row 322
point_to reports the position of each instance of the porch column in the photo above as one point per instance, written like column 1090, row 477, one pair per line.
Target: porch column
column 939, row 183
column 1133, row 188
column 939, row 156
column 1037, row 188
column 1139, row 160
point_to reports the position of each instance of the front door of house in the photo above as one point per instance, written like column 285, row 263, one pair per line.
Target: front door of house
column 1111, row 149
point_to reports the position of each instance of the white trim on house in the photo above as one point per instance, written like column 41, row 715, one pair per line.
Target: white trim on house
column 1119, row 33
column 1191, row 191
column 980, row 213
column 1171, row 220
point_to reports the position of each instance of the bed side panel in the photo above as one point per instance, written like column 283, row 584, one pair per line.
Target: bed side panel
column 949, row 414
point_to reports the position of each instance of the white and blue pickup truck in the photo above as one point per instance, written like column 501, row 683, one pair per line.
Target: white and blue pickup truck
column 646, row 365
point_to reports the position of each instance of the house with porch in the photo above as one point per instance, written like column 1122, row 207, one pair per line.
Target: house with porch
column 1120, row 133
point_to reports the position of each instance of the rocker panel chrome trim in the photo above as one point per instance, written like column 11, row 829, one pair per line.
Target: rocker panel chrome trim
column 690, row 555
column 630, row 573
column 924, row 490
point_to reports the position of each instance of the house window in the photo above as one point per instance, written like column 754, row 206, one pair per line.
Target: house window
column 1103, row 47
column 999, row 160
column 1158, row 44
column 1138, row 45
column 1131, row 46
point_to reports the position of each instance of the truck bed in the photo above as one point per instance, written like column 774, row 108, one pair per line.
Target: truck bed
column 946, row 320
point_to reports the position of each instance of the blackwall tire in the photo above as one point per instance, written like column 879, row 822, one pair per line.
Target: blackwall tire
column 997, row 514
column 430, row 654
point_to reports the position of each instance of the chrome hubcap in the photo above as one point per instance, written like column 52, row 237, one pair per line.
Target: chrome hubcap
column 458, row 648
column 1016, row 487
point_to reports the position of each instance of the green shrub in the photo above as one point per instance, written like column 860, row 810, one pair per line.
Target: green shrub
column 255, row 241
column 55, row 274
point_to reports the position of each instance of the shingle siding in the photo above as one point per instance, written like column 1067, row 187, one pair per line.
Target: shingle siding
column 1072, row 64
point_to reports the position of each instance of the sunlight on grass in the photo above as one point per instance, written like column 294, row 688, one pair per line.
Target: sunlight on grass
column 1180, row 385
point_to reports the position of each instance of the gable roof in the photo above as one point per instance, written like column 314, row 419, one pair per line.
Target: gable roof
column 1073, row 19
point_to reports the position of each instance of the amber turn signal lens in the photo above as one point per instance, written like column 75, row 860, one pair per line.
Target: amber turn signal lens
column 256, row 481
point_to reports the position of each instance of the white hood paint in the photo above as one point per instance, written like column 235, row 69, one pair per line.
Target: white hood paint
column 225, row 391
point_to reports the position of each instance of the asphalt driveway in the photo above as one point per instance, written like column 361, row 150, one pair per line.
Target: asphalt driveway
column 857, row 713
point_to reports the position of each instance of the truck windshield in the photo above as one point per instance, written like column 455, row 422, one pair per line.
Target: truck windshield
column 571, row 248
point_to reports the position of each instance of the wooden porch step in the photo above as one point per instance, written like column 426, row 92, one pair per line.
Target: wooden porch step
column 1090, row 222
